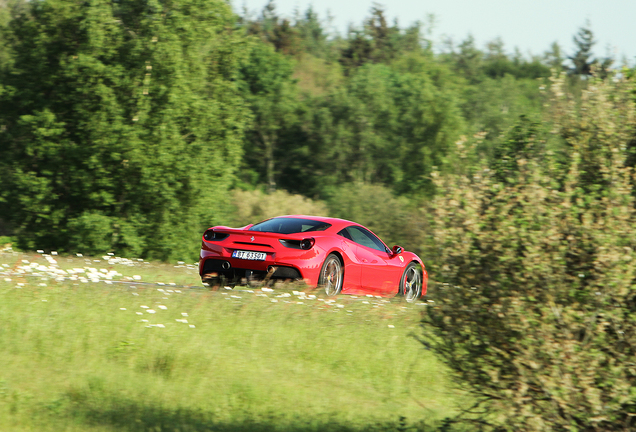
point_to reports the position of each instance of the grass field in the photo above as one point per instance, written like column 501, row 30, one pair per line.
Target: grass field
column 93, row 348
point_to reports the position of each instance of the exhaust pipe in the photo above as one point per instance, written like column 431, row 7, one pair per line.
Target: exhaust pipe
column 226, row 265
column 270, row 273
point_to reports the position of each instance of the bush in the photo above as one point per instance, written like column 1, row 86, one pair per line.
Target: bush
column 392, row 218
column 537, row 310
column 255, row 206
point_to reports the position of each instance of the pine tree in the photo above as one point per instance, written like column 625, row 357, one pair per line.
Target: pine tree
column 554, row 57
column 582, row 59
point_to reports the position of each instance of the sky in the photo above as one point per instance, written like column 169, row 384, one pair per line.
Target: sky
column 531, row 26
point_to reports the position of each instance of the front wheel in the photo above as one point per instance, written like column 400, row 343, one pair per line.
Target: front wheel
column 331, row 275
column 411, row 283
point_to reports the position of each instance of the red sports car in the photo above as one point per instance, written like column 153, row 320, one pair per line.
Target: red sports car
column 335, row 254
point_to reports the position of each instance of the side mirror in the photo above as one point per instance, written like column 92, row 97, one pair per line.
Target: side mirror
column 397, row 250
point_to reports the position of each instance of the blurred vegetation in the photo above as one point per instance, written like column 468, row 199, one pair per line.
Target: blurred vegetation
column 536, row 252
column 254, row 206
column 131, row 126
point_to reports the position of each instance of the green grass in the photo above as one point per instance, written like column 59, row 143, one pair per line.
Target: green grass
column 73, row 360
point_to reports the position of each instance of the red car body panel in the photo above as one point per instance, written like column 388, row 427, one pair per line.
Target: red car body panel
column 366, row 270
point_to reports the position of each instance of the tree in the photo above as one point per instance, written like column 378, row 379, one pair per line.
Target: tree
column 554, row 57
column 267, row 87
column 385, row 127
column 469, row 60
column 312, row 34
column 122, row 125
column 582, row 60
column 270, row 28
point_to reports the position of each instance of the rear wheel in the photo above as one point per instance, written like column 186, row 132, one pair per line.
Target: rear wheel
column 331, row 275
column 411, row 283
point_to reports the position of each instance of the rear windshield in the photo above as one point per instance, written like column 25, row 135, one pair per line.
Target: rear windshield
column 282, row 225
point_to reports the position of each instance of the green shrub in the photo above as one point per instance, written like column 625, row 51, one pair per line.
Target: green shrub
column 255, row 206
column 392, row 218
column 536, row 301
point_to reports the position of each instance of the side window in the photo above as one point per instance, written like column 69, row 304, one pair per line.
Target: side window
column 365, row 238
column 344, row 233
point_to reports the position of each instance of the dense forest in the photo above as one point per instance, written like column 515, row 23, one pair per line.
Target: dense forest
column 130, row 126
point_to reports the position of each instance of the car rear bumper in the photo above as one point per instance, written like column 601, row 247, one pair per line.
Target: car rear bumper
column 242, row 269
column 294, row 264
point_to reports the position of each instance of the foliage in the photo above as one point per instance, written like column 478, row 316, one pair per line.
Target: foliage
column 582, row 59
column 122, row 124
column 476, row 65
column 8, row 10
column 495, row 104
column 269, row 92
column 317, row 77
column 553, row 57
column 255, row 206
column 536, row 269
column 584, row 64
column 386, row 126
column 377, row 42
column 394, row 219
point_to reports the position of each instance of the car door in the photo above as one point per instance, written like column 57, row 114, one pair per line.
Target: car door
column 373, row 256
column 353, row 266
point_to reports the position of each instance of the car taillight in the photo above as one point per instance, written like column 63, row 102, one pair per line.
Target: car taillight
column 210, row 235
column 307, row 243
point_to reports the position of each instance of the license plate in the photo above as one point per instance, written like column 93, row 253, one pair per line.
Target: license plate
column 247, row 255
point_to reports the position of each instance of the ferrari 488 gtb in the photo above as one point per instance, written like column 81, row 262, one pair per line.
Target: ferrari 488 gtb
column 334, row 254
